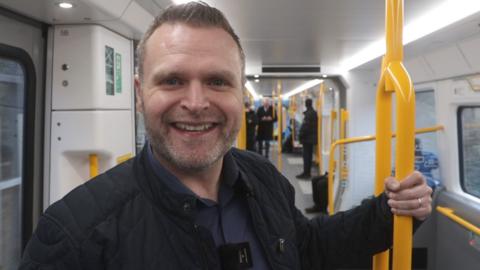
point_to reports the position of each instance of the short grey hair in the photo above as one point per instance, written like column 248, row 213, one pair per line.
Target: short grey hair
column 197, row 14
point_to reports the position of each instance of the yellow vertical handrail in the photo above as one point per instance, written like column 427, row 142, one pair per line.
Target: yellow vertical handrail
column 321, row 91
column 242, row 134
column 293, row 109
column 343, row 134
column 333, row 118
column 395, row 78
column 279, row 123
column 331, row 163
column 383, row 155
column 93, row 160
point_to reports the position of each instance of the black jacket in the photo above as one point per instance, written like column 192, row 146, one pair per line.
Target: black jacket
column 127, row 219
column 308, row 130
column 265, row 127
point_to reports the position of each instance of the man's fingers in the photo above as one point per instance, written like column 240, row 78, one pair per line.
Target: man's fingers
column 391, row 184
column 410, row 204
column 411, row 194
column 414, row 179
column 420, row 213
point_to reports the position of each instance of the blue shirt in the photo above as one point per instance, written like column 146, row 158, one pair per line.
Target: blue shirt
column 228, row 220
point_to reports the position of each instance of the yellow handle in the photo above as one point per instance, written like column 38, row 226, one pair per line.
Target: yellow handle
column 449, row 213
column 93, row 158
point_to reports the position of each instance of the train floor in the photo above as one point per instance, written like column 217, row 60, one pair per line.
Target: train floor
column 292, row 165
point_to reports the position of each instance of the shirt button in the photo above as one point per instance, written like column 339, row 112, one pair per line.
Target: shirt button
column 281, row 245
column 187, row 207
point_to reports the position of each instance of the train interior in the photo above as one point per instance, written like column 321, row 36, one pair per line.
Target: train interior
column 67, row 101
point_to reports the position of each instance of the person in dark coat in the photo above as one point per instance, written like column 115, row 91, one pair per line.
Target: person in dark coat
column 251, row 121
column 266, row 117
column 189, row 200
column 308, row 138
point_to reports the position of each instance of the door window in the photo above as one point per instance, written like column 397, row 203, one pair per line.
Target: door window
column 12, row 98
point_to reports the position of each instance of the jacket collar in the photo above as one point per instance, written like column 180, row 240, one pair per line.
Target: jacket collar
column 169, row 194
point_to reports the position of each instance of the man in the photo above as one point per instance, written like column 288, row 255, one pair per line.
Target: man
column 266, row 117
column 308, row 138
column 190, row 201
column 251, row 119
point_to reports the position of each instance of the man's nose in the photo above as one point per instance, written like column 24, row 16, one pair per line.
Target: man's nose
column 195, row 98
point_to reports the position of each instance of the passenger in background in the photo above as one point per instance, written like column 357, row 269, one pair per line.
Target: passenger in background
column 266, row 117
column 426, row 162
column 251, row 121
column 191, row 201
column 308, row 138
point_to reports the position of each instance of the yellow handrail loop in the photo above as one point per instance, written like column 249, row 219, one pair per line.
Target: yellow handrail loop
column 394, row 77
column 331, row 162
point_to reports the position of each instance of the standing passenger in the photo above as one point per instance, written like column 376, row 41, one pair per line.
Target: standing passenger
column 266, row 117
column 251, row 121
column 308, row 138
column 191, row 201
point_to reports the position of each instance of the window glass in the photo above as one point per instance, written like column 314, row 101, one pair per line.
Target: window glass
column 12, row 94
column 426, row 152
column 469, row 135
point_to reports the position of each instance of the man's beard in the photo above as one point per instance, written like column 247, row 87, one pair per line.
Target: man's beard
column 188, row 159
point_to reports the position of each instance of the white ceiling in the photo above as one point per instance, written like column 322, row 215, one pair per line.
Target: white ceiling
column 273, row 32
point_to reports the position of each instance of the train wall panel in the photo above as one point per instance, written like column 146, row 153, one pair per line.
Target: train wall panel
column 75, row 135
column 418, row 69
column 92, row 69
column 470, row 48
column 447, row 62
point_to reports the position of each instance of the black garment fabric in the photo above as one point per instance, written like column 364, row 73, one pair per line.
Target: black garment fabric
column 252, row 121
column 308, row 130
column 265, row 127
column 307, row 152
column 127, row 219
column 320, row 192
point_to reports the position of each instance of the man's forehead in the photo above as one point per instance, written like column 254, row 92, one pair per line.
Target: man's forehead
column 170, row 34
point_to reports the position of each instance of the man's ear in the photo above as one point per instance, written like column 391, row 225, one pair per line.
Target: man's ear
column 138, row 94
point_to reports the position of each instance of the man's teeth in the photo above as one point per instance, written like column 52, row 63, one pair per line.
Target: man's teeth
column 193, row 127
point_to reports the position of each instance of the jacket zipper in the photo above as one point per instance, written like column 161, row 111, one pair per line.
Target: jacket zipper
column 202, row 247
column 260, row 237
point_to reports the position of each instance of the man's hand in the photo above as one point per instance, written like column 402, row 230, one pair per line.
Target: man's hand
column 410, row 197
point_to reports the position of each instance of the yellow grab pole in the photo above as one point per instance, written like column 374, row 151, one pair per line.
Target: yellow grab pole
column 293, row 108
column 448, row 212
column 383, row 153
column 242, row 134
column 319, row 127
column 331, row 161
column 333, row 117
column 343, row 123
column 279, row 123
column 395, row 77
column 93, row 160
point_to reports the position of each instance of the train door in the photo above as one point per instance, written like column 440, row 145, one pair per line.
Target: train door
column 21, row 88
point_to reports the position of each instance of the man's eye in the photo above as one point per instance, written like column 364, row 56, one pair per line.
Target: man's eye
column 218, row 82
column 172, row 81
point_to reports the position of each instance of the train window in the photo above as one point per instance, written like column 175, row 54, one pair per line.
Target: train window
column 12, row 98
column 469, row 146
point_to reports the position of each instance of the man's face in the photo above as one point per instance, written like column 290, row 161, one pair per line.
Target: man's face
column 266, row 102
column 191, row 95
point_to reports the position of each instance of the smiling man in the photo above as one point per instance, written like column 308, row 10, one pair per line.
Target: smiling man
column 191, row 201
